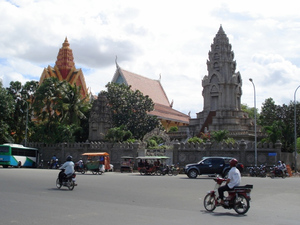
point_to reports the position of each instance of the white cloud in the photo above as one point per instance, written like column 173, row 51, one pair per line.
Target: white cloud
column 171, row 38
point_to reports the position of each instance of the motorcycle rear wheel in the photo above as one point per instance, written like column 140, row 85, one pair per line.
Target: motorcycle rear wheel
column 58, row 185
column 241, row 204
column 209, row 203
column 72, row 185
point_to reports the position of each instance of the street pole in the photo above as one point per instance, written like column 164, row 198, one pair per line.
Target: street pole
column 295, row 129
column 255, row 134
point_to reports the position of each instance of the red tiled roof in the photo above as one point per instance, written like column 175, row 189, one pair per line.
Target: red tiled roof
column 154, row 89
column 168, row 113
column 147, row 86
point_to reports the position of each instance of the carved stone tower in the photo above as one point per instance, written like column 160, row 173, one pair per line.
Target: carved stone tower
column 222, row 86
column 100, row 119
column 222, row 91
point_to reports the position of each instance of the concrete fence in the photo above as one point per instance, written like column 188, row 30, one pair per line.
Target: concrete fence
column 182, row 153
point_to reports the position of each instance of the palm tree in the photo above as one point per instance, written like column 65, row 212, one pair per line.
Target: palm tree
column 74, row 106
column 220, row 135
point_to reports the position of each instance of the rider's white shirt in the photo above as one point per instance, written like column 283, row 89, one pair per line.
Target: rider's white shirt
column 69, row 167
column 235, row 177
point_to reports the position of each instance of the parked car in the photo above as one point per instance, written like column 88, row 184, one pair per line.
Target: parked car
column 210, row 166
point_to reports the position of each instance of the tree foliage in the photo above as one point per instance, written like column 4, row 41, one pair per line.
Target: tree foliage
column 6, row 112
column 195, row 140
column 250, row 111
column 220, row 135
column 129, row 108
column 278, row 122
column 22, row 96
column 118, row 134
column 60, row 111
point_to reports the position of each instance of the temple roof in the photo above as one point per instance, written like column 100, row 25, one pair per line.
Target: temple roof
column 65, row 59
column 65, row 69
column 154, row 89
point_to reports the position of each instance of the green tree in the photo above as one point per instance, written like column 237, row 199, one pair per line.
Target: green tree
column 278, row 122
column 274, row 132
column 61, row 112
column 6, row 111
column 22, row 95
column 130, row 108
column 250, row 111
column 220, row 135
column 118, row 134
column 269, row 113
column 76, row 111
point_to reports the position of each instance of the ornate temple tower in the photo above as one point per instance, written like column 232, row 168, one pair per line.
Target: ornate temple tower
column 222, row 91
column 64, row 69
column 222, row 86
column 100, row 119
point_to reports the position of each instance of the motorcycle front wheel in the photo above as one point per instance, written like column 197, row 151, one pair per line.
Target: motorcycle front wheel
column 58, row 185
column 209, row 203
column 241, row 204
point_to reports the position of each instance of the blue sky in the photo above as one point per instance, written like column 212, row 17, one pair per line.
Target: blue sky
column 171, row 38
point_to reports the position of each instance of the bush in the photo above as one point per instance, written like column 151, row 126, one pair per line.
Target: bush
column 229, row 140
column 118, row 134
column 195, row 140
column 173, row 129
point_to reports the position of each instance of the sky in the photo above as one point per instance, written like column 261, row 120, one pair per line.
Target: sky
column 158, row 38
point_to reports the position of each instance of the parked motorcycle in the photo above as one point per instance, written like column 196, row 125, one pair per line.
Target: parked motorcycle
column 68, row 181
column 163, row 171
column 258, row 171
column 276, row 172
column 238, row 198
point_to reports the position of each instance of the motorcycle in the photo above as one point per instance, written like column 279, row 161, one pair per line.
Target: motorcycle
column 258, row 171
column 80, row 169
column 164, row 170
column 238, row 198
column 276, row 172
column 68, row 181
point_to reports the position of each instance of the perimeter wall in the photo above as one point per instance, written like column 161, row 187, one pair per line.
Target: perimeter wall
column 181, row 153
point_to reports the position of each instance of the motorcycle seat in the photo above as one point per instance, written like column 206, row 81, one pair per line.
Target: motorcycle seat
column 247, row 186
column 69, row 175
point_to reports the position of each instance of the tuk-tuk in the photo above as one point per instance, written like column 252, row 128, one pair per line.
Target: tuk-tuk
column 150, row 165
column 97, row 162
column 127, row 163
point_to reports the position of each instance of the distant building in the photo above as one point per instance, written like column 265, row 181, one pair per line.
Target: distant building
column 222, row 91
column 168, row 116
column 65, row 69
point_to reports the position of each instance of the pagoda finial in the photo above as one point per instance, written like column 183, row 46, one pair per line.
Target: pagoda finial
column 66, row 43
column 116, row 61
column 221, row 31
column 65, row 59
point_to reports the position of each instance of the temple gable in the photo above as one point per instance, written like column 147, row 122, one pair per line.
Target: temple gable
column 65, row 69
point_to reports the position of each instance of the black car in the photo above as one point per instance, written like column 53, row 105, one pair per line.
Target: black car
column 210, row 166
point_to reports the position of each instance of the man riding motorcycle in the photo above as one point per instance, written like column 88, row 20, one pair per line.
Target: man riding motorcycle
column 68, row 168
column 234, row 179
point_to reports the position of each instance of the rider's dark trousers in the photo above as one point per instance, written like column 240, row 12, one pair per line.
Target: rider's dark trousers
column 61, row 176
column 222, row 189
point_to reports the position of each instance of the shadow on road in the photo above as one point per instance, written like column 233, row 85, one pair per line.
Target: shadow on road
column 222, row 213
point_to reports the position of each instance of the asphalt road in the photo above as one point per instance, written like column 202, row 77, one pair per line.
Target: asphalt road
column 29, row 196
